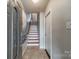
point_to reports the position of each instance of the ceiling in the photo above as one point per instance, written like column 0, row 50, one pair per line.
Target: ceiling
column 29, row 6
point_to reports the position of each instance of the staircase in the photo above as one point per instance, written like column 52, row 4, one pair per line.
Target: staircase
column 33, row 36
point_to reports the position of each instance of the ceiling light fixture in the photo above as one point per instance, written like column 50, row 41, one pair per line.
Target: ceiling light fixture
column 35, row 1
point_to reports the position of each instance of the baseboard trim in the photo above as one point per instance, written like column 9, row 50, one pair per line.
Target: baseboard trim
column 47, row 53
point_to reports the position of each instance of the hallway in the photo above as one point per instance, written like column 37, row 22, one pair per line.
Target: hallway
column 38, row 29
column 35, row 53
column 33, row 50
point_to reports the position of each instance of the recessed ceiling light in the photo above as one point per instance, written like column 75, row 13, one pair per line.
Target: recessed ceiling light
column 35, row 1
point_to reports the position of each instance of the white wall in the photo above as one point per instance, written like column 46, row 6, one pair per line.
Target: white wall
column 25, row 20
column 34, row 17
column 42, row 39
column 60, row 41
column 28, row 17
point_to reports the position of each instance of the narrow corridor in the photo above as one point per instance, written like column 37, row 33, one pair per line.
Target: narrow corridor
column 33, row 51
column 38, row 29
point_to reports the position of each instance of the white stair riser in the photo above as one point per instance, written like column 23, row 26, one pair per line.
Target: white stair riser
column 32, row 38
column 33, row 41
column 33, row 32
column 32, row 44
column 32, row 35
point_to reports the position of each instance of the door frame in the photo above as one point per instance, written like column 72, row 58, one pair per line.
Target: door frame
column 10, row 32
